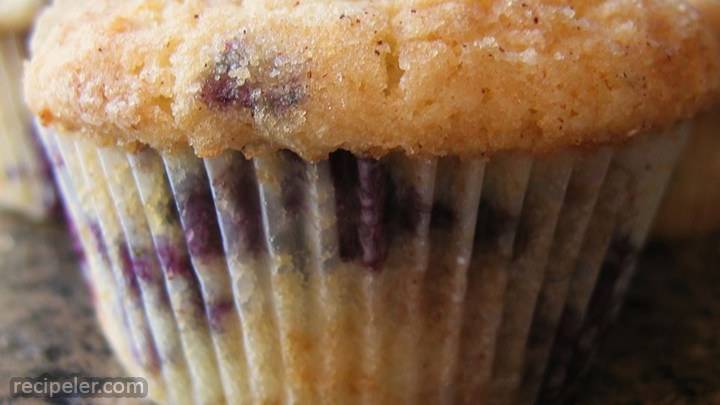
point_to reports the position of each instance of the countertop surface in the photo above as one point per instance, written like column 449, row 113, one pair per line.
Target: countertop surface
column 664, row 349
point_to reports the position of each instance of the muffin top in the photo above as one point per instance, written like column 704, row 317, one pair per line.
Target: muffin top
column 17, row 15
column 427, row 77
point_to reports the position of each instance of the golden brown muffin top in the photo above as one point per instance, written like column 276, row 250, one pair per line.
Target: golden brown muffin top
column 17, row 15
column 427, row 77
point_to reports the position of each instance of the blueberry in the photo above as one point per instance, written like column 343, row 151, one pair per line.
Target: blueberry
column 100, row 244
column 128, row 267
column 173, row 259
column 222, row 92
column 200, row 223
column 404, row 207
column 241, row 206
column 372, row 194
column 272, row 85
column 492, row 223
column 217, row 312
column 294, row 184
column 345, row 180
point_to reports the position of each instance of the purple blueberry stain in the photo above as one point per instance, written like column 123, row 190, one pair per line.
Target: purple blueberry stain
column 372, row 195
column 153, row 361
column 492, row 223
column 373, row 208
column 17, row 173
column 45, row 156
column 173, row 259
column 55, row 158
column 223, row 89
column 344, row 171
column 404, row 208
column 128, row 268
column 283, row 96
column 100, row 244
column 294, row 184
column 223, row 92
column 241, row 209
column 200, row 222
column 241, row 78
column 217, row 312
column 76, row 243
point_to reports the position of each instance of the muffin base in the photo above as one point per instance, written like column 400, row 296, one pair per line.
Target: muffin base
column 402, row 280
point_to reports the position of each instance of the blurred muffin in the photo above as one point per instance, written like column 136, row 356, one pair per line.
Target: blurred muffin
column 389, row 202
column 23, row 175
column 692, row 205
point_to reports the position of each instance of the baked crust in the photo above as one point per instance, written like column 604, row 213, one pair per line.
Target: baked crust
column 425, row 77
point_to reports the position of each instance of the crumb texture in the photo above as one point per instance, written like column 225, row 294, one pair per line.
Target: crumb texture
column 425, row 77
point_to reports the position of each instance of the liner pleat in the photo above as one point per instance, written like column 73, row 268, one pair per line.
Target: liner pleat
column 446, row 280
column 399, row 293
column 541, row 210
column 350, row 280
column 580, row 198
column 107, row 296
column 634, row 187
column 196, row 209
column 235, row 188
column 180, row 324
column 155, row 338
column 499, row 210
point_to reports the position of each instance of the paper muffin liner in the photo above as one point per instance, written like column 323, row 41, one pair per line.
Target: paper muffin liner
column 690, row 207
column 401, row 280
column 24, row 178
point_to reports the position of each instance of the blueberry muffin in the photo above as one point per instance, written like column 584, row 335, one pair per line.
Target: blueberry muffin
column 23, row 174
column 692, row 205
column 389, row 202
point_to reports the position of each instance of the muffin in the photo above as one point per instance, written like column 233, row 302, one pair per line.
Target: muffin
column 692, row 205
column 388, row 202
column 24, row 185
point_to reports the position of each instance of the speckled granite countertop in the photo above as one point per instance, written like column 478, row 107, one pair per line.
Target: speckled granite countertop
column 665, row 349
column 46, row 320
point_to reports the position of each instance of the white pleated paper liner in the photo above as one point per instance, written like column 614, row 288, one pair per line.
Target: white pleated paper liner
column 25, row 184
column 351, row 280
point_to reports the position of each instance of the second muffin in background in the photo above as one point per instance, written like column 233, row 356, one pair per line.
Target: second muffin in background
column 388, row 202
column 24, row 179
